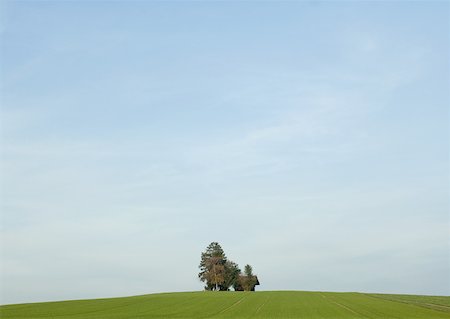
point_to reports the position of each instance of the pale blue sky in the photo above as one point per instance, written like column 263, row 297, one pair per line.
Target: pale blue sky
column 311, row 139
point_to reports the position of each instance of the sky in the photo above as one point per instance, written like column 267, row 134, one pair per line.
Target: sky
column 310, row 139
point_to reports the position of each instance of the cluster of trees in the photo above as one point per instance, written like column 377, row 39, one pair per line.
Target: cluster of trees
column 219, row 273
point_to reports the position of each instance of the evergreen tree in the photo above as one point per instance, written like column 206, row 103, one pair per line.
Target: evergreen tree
column 249, row 280
column 248, row 270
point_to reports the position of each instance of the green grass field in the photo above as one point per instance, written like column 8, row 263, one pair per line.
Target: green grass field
column 267, row 304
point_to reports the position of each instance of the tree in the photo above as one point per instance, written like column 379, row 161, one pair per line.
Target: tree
column 249, row 280
column 215, row 275
column 232, row 273
column 212, row 266
column 219, row 273
column 248, row 270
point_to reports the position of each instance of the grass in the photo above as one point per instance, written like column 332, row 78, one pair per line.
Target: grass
column 267, row 304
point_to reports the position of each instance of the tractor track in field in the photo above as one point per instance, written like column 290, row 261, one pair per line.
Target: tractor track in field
column 342, row 306
column 229, row 307
column 262, row 305
column 434, row 306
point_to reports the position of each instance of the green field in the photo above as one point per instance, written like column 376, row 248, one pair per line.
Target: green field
column 267, row 304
